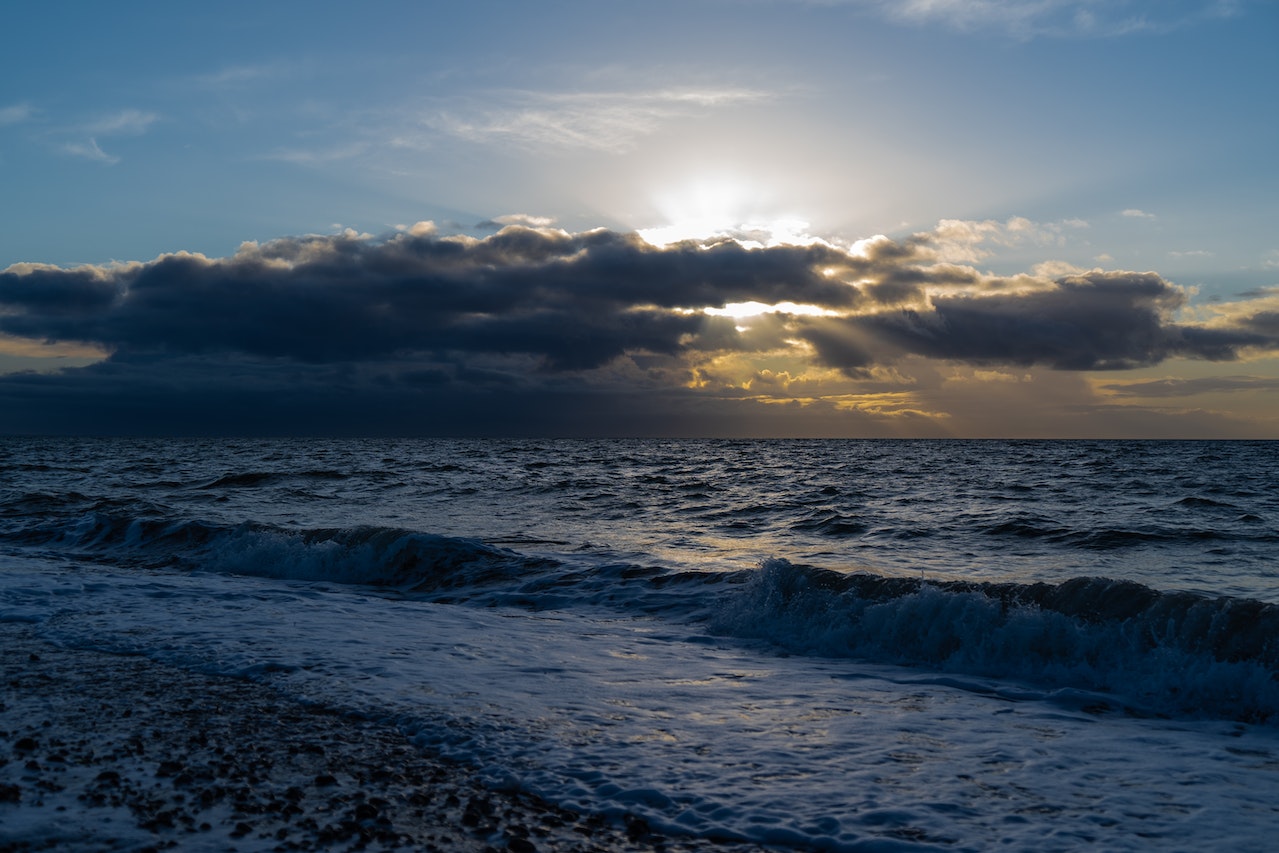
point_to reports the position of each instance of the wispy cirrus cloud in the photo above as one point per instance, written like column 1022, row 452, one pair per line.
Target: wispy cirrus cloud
column 612, row 121
column 124, row 123
column 237, row 76
column 90, row 150
column 606, row 121
column 16, row 114
column 314, row 156
column 1056, row 18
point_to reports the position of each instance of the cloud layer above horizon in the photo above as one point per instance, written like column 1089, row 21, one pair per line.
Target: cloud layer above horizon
column 538, row 330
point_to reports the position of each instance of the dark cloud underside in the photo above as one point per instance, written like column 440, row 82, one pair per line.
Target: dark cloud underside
column 420, row 326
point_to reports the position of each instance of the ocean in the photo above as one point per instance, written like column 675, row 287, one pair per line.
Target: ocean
column 844, row 645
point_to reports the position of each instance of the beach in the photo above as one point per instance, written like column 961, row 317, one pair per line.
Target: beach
column 112, row 752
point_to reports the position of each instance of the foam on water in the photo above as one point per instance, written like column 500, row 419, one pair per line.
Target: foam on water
column 697, row 733
column 1178, row 654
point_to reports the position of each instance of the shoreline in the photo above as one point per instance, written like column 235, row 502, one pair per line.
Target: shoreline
column 107, row 752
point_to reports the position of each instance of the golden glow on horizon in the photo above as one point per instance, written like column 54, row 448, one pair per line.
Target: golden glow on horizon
column 38, row 349
column 28, row 355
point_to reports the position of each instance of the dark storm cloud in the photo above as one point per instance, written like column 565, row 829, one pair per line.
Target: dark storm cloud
column 1093, row 321
column 56, row 292
column 577, row 301
column 424, row 331
column 195, row 395
column 1264, row 323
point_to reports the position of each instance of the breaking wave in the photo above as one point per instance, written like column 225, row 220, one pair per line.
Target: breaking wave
column 403, row 560
column 1159, row 653
column 1163, row 653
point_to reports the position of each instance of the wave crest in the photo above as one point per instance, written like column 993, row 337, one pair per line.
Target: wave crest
column 1167, row 653
column 406, row 560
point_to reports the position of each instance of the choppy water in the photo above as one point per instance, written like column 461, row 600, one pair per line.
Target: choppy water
column 951, row 645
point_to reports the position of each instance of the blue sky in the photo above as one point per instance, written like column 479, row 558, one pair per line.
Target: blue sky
column 1040, row 139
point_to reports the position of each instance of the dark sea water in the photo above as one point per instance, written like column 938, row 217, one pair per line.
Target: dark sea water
column 955, row 645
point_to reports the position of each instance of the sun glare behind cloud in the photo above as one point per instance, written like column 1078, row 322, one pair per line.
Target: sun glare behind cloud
column 723, row 206
column 742, row 310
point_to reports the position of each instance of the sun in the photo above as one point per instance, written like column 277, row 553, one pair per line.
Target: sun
column 701, row 210
column 723, row 206
column 744, row 310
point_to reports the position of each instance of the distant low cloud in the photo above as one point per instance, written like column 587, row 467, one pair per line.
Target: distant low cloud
column 499, row 222
column 533, row 311
column 1134, row 213
column 1260, row 293
column 967, row 240
column 1193, row 387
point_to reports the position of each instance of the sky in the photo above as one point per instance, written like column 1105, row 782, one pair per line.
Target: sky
column 737, row 218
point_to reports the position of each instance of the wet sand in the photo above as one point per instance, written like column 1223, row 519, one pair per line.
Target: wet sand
column 104, row 752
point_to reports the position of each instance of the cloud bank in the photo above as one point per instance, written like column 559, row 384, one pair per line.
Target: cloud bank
column 586, row 332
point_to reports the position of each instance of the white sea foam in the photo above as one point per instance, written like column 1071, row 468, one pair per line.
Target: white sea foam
column 700, row 734
column 1162, row 653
